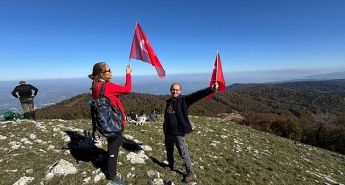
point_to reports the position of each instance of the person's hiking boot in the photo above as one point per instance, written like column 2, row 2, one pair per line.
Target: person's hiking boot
column 190, row 177
column 169, row 167
column 116, row 181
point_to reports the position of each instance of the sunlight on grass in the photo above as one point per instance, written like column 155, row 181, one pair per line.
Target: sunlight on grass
column 222, row 152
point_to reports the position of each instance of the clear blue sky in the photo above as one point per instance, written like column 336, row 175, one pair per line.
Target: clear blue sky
column 44, row 39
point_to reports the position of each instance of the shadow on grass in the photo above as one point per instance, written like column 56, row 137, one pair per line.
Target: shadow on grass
column 131, row 146
column 83, row 148
column 165, row 166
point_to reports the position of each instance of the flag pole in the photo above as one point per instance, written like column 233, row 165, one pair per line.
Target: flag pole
column 217, row 68
column 136, row 24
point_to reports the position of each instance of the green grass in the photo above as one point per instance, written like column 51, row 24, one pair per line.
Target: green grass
column 222, row 152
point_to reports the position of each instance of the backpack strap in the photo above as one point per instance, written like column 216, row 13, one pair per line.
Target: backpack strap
column 101, row 94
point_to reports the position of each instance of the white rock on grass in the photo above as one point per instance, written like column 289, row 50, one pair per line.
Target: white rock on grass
column 39, row 141
column 50, row 147
column 2, row 137
column 62, row 167
column 146, row 148
column 139, row 157
column 32, row 136
column 224, row 136
column 40, row 125
column 99, row 177
column 130, row 175
column 158, row 181
column 66, row 139
column 151, row 173
column 14, row 145
column 11, row 170
column 24, row 180
column 96, row 171
column 128, row 136
column 214, row 143
column 86, row 180
column 29, row 171
column 26, row 141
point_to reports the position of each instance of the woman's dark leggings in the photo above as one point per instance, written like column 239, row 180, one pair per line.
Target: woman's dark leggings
column 113, row 152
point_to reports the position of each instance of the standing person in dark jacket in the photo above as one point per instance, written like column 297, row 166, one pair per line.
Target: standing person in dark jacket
column 176, row 124
column 26, row 93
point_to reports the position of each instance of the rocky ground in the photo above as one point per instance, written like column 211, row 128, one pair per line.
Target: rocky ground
column 62, row 152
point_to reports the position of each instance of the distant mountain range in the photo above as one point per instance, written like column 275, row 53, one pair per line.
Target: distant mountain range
column 328, row 76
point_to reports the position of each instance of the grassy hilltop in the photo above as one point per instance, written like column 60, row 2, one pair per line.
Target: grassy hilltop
column 222, row 153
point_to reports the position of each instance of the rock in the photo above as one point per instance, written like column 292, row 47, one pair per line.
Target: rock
column 86, row 180
column 157, row 182
column 2, row 137
column 139, row 157
column 24, row 180
column 50, row 147
column 146, row 148
column 62, row 167
column 14, row 145
column 29, row 171
column 130, row 175
column 32, row 136
column 99, row 177
column 151, row 173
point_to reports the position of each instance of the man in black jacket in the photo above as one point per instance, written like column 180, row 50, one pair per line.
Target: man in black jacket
column 26, row 93
column 176, row 124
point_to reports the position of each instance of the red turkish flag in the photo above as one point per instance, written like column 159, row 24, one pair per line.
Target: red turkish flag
column 142, row 50
column 217, row 76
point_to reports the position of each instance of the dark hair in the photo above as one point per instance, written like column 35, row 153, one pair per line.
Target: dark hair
column 97, row 71
column 175, row 83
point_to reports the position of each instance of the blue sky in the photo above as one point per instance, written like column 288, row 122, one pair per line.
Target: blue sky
column 46, row 39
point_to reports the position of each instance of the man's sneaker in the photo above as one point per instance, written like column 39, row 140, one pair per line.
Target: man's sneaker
column 190, row 177
column 169, row 167
column 116, row 181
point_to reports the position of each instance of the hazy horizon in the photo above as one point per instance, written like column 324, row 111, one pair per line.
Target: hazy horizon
column 253, row 76
column 55, row 90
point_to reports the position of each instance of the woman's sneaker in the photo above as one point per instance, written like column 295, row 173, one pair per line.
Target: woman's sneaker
column 169, row 167
column 116, row 181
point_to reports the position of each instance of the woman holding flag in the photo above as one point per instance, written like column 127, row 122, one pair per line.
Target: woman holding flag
column 101, row 73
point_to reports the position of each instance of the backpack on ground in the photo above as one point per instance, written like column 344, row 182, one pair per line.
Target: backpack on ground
column 108, row 119
column 11, row 116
